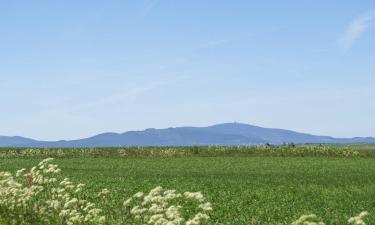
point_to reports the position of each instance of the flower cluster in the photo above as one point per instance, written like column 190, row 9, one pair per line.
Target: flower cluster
column 358, row 220
column 160, row 207
column 103, row 193
column 313, row 220
column 42, row 196
column 308, row 220
column 39, row 196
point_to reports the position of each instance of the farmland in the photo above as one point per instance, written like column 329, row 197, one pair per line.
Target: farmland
column 263, row 185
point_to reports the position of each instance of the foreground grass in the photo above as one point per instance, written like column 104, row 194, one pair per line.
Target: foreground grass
column 243, row 190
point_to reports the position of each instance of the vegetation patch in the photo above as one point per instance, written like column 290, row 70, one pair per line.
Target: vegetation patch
column 203, row 189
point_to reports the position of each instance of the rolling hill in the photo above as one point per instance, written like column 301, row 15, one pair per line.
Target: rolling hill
column 221, row 134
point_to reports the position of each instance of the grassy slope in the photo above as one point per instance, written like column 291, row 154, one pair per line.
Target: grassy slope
column 270, row 190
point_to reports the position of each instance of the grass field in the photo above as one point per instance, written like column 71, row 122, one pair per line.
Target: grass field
column 242, row 190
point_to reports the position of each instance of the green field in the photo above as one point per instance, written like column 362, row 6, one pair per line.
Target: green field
column 242, row 189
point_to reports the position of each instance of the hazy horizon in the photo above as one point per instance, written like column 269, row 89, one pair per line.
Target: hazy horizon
column 75, row 69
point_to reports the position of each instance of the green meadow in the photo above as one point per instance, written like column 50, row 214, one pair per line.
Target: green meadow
column 243, row 189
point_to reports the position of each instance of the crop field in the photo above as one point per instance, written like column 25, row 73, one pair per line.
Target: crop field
column 243, row 188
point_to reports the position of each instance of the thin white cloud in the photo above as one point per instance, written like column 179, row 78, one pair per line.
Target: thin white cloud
column 214, row 43
column 148, row 7
column 224, row 41
column 356, row 29
column 129, row 94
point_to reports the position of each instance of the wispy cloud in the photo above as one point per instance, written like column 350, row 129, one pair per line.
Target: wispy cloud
column 148, row 7
column 228, row 40
column 213, row 43
column 356, row 28
column 129, row 94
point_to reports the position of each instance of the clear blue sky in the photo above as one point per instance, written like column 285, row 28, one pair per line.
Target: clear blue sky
column 71, row 69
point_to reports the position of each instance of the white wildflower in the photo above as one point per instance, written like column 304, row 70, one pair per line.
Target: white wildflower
column 197, row 219
column 308, row 220
column 138, row 195
column 156, row 207
column 206, row 206
column 20, row 172
column 45, row 196
column 358, row 220
column 127, row 202
column 194, row 195
column 104, row 192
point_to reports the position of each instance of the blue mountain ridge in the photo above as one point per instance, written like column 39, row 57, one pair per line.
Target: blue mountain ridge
column 226, row 134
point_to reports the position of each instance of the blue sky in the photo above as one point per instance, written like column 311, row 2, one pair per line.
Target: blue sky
column 71, row 69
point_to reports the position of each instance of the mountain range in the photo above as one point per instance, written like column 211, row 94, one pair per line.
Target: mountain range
column 221, row 134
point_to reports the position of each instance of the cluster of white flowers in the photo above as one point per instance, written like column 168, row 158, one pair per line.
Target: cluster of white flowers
column 103, row 193
column 308, row 220
column 40, row 196
column 72, row 209
column 313, row 220
column 161, row 207
column 358, row 220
